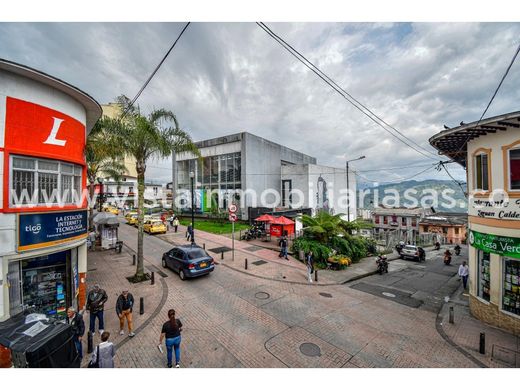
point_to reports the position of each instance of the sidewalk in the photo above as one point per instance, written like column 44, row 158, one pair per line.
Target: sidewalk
column 464, row 334
column 264, row 263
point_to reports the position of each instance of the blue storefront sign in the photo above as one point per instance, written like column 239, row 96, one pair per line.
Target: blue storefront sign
column 46, row 229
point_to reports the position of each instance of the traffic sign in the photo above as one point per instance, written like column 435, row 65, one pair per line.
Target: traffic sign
column 233, row 217
column 232, row 208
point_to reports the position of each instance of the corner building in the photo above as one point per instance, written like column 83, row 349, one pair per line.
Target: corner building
column 490, row 151
column 43, row 254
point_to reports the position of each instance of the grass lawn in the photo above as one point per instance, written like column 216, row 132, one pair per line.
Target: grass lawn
column 214, row 226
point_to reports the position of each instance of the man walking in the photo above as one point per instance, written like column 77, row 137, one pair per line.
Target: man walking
column 176, row 223
column 189, row 232
column 75, row 320
column 464, row 273
column 283, row 247
column 124, row 306
column 309, row 262
column 96, row 299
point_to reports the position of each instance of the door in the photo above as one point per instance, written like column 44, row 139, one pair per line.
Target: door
column 15, row 288
column 174, row 258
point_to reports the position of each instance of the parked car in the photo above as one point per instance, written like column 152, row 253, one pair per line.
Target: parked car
column 111, row 209
column 410, row 252
column 131, row 218
column 154, row 226
column 189, row 261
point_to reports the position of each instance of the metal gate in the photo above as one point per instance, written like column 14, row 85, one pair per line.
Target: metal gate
column 15, row 288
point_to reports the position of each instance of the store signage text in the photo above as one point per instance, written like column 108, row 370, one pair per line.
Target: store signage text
column 45, row 229
column 502, row 209
column 501, row 245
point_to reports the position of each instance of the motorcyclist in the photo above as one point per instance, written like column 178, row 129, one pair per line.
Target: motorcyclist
column 457, row 249
column 382, row 264
column 447, row 257
column 437, row 245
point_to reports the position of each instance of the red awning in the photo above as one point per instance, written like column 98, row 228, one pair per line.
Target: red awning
column 282, row 221
column 265, row 218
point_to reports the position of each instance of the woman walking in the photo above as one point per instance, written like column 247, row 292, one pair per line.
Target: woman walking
column 310, row 266
column 171, row 332
column 106, row 352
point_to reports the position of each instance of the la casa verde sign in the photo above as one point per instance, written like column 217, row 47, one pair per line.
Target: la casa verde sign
column 497, row 209
column 46, row 229
column 500, row 245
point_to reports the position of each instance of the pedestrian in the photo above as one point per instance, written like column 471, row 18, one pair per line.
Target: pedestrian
column 309, row 262
column 172, row 217
column 75, row 320
column 96, row 299
column 106, row 352
column 171, row 332
column 176, row 223
column 124, row 307
column 283, row 247
column 464, row 273
column 189, row 232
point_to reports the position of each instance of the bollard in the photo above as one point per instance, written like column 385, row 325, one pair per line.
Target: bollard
column 90, row 342
column 451, row 315
column 141, row 306
column 222, row 255
column 245, row 264
column 204, row 246
column 153, row 278
column 133, row 259
column 316, row 275
column 482, row 347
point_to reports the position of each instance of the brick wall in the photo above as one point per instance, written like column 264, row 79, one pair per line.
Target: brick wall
column 490, row 314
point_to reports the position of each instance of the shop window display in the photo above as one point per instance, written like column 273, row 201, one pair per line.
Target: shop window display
column 483, row 275
column 511, row 294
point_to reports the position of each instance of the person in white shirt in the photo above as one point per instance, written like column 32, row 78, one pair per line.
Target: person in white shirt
column 464, row 273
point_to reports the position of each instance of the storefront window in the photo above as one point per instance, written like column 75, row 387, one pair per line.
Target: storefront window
column 514, row 169
column 481, row 172
column 511, row 293
column 483, row 275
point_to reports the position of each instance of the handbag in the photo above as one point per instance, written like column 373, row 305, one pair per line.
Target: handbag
column 91, row 364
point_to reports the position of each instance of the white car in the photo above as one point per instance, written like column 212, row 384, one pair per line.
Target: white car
column 410, row 252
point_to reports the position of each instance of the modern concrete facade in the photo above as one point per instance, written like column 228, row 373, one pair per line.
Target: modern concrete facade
column 238, row 163
column 43, row 254
column 490, row 150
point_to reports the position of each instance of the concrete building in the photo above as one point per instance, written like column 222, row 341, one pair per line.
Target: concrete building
column 402, row 221
column 450, row 226
column 490, row 150
column 241, row 168
column 43, row 253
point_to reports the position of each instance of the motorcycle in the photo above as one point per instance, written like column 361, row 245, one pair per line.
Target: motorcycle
column 457, row 250
column 382, row 265
column 447, row 258
column 437, row 246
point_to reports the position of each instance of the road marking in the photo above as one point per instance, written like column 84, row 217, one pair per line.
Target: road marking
column 387, row 294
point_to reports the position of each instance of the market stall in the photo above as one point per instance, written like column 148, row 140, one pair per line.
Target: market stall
column 282, row 225
column 107, row 226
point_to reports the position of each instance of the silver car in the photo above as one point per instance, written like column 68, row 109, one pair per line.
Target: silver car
column 410, row 252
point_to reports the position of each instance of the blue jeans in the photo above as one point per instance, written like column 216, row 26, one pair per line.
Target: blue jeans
column 465, row 281
column 283, row 252
column 92, row 317
column 79, row 347
column 176, row 344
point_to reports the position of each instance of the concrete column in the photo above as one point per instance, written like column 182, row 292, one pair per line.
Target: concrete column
column 495, row 270
column 82, row 270
column 174, row 174
column 3, row 289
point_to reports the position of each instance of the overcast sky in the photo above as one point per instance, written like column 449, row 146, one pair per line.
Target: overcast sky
column 224, row 78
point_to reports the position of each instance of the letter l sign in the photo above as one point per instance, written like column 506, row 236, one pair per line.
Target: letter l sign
column 54, row 132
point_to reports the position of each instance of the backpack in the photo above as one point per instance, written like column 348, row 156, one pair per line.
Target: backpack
column 95, row 364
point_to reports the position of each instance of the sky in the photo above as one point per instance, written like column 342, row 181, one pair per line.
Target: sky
column 224, row 78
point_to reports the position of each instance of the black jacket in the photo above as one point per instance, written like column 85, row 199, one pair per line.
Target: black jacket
column 77, row 324
column 97, row 304
column 120, row 302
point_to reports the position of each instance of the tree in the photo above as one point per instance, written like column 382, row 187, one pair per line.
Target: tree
column 323, row 226
column 103, row 156
column 143, row 137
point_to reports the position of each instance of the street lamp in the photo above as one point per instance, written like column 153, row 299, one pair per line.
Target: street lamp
column 100, row 181
column 192, row 177
column 348, row 190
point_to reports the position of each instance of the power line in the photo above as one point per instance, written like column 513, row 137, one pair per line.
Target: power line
column 492, row 98
column 393, row 181
column 154, row 72
column 300, row 57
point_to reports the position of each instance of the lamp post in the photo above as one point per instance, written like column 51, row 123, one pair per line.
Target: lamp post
column 192, row 177
column 348, row 188
column 100, row 181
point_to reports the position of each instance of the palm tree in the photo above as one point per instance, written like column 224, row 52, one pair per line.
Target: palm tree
column 102, row 154
column 325, row 226
column 143, row 137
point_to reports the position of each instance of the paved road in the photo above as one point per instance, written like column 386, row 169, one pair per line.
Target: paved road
column 420, row 285
column 236, row 320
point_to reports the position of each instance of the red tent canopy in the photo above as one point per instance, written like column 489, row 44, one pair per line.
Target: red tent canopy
column 265, row 218
column 283, row 221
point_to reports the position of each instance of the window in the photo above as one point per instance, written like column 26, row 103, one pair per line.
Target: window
column 483, row 259
column 403, row 221
column 514, row 169
column 40, row 182
column 385, row 220
column 456, row 230
column 286, row 193
column 482, row 172
column 511, row 293
column 414, row 221
column 376, row 219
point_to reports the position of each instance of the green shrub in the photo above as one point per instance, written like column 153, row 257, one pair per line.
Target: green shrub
column 320, row 251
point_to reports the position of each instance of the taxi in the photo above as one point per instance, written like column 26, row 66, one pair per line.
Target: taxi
column 154, row 226
column 131, row 218
column 111, row 209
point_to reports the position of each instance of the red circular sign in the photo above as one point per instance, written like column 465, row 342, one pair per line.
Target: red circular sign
column 233, row 217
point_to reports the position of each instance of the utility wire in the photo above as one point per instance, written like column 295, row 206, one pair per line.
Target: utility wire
column 300, row 57
column 154, row 72
column 393, row 181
